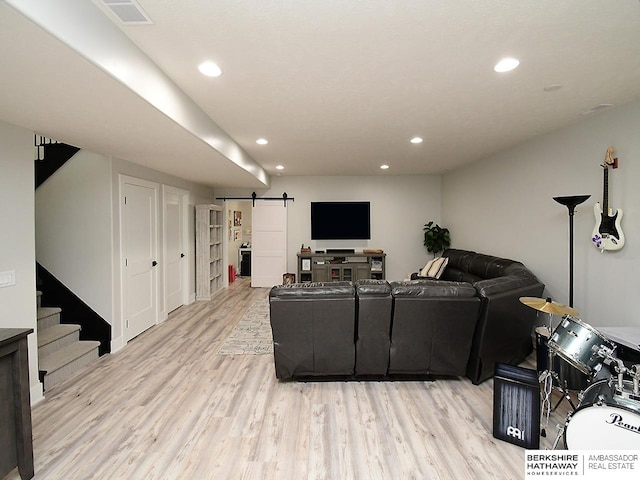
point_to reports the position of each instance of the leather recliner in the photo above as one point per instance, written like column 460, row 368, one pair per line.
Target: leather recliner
column 313, row 328
column 433, row 325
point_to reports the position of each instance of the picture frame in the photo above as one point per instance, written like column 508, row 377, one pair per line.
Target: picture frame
column 237, row 235
column 306, row 264
column 237, row 218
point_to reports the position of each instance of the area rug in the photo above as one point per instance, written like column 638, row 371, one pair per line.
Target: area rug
column 252, row 335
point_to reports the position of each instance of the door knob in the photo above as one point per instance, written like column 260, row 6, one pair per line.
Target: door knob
column 182, row 255
column 154, row 263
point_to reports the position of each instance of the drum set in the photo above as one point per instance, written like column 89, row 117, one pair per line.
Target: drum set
column 607, row 416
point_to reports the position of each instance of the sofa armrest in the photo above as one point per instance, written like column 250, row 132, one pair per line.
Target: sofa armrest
column 504, row 329
column 373, row 328
column 494, row 286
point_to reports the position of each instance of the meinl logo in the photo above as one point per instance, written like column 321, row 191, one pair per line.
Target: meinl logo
column 515, row 432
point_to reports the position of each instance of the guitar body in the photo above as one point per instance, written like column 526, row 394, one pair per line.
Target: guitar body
column 608, row 234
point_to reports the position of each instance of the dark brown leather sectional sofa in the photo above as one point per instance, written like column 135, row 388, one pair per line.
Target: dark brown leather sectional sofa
column 460, row 325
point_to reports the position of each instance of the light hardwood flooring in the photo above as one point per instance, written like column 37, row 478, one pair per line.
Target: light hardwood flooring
column 167, row 406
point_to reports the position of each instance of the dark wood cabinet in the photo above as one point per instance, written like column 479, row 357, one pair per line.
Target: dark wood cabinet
column 320, row 267
column 16, row 443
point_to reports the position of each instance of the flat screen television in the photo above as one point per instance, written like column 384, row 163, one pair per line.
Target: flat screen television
column 340, row 221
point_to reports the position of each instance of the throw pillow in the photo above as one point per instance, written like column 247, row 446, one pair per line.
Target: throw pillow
column 435, row 267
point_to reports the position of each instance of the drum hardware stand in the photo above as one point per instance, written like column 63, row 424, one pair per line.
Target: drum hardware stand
column 561, row 429
column 547, row 379
column 620, row 370
column 548, row 306
column 635, row 373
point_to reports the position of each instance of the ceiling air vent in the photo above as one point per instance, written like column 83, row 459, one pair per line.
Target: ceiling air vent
column 129, row 12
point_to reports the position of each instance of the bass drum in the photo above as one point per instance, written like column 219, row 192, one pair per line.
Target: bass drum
column 605, row 419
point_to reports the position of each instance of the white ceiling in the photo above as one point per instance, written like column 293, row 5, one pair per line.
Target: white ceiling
column 338, row 87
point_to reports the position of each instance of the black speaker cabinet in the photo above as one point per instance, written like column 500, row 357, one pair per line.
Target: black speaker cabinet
column 516, row 406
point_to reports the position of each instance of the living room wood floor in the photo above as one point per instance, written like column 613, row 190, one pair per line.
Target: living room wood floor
column 167, row 406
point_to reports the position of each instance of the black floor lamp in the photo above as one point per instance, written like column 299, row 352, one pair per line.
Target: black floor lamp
column 570, row 202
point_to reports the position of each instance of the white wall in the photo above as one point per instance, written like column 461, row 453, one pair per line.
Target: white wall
column 17, row 240
column 73, row 229
column 503, row 206
column 400, row 206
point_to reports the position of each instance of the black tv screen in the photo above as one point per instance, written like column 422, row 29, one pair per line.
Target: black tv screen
column 340, row 221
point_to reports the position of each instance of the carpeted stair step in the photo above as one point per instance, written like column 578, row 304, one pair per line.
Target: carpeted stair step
column 64, row 362
column 56, row 337
column 48, row 316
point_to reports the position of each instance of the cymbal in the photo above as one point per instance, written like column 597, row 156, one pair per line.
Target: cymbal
column 549, row 306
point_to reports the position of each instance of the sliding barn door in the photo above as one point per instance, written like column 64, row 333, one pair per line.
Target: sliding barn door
column 268, row 243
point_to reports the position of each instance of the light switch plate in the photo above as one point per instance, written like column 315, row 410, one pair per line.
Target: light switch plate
column 7, row 279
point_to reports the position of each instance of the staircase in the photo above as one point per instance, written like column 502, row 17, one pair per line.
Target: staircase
column 60, row 350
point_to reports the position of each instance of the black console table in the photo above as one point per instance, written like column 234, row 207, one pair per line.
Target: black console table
column 16, row 444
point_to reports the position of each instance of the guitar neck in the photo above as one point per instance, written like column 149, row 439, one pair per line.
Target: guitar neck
column 605, row 192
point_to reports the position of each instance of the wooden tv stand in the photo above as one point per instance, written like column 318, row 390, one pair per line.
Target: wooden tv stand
column 335, row 267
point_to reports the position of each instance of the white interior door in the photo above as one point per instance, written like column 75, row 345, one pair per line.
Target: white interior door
column 174, row 254
column 140, row 257
column 268, row 243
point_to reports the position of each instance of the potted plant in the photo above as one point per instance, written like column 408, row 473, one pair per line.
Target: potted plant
column 436, row 238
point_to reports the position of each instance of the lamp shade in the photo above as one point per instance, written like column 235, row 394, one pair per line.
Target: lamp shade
column 571, row 200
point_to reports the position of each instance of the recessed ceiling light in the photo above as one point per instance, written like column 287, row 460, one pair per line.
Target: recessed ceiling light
column 210, row 69
column 506, row 65
column 596, row 108
column 262, row 141
column 279, row 167
column 416, row 140
column 384, row 167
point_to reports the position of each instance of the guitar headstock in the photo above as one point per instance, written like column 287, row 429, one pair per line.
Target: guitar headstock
column 609, row 161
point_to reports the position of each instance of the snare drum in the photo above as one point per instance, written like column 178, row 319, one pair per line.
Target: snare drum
column 606, row 419
column 578, row 343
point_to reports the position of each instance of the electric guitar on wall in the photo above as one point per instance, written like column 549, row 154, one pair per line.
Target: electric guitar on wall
column 607, row 234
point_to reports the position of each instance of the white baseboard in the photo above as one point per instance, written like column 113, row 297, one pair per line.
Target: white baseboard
column 37, row 393
column 117, row 344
